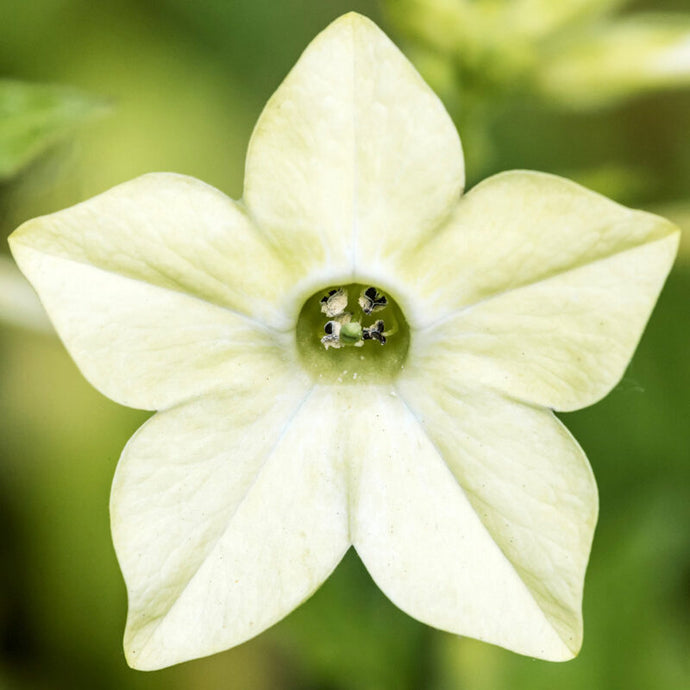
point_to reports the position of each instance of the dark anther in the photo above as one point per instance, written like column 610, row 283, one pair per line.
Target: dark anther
column 324, row 299
column 371, row 300
column 374, row 332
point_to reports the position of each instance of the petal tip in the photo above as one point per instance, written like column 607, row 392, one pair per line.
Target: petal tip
column 353, row 19
column 145, row 651
column 353, row 23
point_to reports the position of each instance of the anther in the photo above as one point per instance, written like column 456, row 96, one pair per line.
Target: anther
column 374, row 332
column 334, row 303
column 371, row 300
column 332, row 337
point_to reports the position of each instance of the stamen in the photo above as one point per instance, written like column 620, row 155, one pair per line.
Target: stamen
column 372, row 300
column 341, row 344
column 332, row 337
column 374, row 332
column 334, row 303
column 342, row 330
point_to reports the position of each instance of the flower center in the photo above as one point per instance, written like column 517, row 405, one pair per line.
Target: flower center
column 352, row 334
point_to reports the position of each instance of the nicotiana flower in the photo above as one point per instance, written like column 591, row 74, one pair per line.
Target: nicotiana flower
column 354, row 354
column 490, row 59
column 580, row 53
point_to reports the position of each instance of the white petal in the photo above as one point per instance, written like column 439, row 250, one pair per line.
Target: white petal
column 113, row 273
column 483, row 526
column 227, row 513
column 556, row 288
column 171, row 231
column 354, row 155
column 149, row 347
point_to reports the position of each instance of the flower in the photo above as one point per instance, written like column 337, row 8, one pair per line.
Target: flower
column 581, row 54
column 495, row 61
column 355, row 354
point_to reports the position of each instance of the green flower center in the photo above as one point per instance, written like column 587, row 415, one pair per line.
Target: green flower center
column 352, row 334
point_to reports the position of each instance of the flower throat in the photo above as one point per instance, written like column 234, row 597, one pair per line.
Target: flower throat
column 352, row 334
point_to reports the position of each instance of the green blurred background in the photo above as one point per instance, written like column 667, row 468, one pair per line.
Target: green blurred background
column 149, row 85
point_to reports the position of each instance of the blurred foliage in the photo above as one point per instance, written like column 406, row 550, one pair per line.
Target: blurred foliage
column 185, row 83
column 19, row 305
column 679, row 213
column 35, row 116
column 580, row 53
column 514, row 71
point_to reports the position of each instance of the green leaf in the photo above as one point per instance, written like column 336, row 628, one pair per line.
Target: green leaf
column 34, row 117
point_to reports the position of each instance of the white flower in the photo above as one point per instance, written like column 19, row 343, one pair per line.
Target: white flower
column 581, row 54
column 435, row 454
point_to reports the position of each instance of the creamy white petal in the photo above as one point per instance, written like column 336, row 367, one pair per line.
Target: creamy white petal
column 150, row 347
column 171, row 231
column 151, row 288
column 227, row 513
column 475, row 515
column 353, row 156
column 518, row 228
column 556, row 288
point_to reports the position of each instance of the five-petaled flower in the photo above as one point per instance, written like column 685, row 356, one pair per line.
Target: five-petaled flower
column 355, row 354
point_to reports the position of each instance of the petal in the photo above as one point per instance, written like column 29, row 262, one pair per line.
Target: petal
column 227, row 513
column 145, row 346
column 354, row 155
column 171, row 231
column 148, row 325
column 558, row 285
column 475, row 515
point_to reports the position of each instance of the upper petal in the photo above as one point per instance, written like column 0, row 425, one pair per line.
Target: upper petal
column 475, row 515
column 354, row 155
column 227, row 512
column 540, row 288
